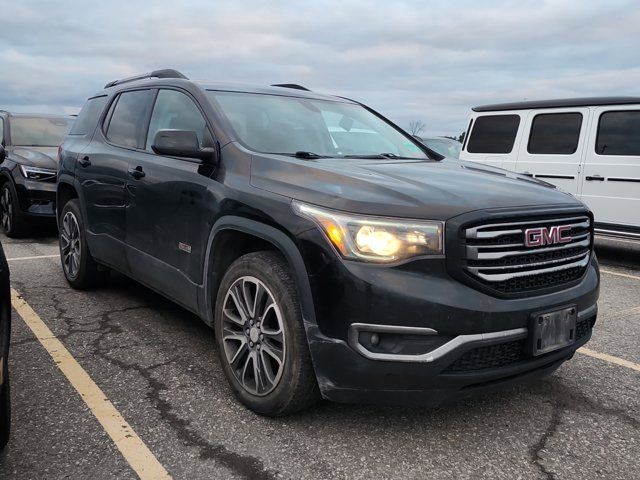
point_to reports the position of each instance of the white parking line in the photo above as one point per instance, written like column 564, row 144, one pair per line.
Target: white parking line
column 609, row 358
column 134, row 450
column 15, row 259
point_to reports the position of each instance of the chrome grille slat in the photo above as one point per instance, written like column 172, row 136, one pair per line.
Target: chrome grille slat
column 499, row 277
column 476, row 232
column 512, row 245
column 477, row 270
column 495, row 253
column 474, row 254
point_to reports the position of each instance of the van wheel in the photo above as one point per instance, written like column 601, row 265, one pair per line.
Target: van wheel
column 260, row 336
column 78, row 265
column 11, row 217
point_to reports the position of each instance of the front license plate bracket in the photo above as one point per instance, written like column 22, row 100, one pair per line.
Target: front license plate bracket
column 553, row 330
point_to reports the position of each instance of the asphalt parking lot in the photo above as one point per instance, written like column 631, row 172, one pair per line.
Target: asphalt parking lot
column 157, row 366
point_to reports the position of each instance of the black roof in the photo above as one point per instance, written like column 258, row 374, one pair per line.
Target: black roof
column 558, row 103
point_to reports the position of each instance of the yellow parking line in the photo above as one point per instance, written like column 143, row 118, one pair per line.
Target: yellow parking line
column 15, row 259
column 140, row 458
column 609, row 358
column 626, row 275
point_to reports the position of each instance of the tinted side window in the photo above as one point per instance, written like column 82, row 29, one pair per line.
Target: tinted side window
column 88, row 116
column 555, row 133
column 176, row 111
column 494, row 134
column 128, row 123
column 619, row 133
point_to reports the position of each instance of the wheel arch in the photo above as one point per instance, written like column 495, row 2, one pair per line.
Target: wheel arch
column 5, row 176
column 269, row 237
column 67, row 188
column 65, row 191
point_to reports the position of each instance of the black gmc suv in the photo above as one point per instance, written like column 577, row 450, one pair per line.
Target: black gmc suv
column 28, row 166
column 332, row 253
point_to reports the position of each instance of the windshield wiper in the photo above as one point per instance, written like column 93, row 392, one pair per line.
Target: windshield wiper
column 300, row 154
column 399, row 157
column 381, row 156
column 372, row 156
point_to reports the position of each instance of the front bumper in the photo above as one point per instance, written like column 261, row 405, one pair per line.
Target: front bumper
column 36, row 198
column 480, row 341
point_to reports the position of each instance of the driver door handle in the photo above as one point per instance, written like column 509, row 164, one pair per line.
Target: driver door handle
column 137, row 172
column 84, row 161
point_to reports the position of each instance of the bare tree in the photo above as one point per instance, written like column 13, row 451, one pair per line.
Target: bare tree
column 416, row 127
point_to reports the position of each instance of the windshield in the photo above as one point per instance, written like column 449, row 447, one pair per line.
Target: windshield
column 446, row 147
column 290, row 125
column 39, row 131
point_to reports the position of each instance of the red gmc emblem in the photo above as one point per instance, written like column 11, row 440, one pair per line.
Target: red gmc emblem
column 538, row 237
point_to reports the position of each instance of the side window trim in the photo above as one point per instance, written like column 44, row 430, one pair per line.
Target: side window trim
column 2, row 130
column 107, row 118
column 467, row 135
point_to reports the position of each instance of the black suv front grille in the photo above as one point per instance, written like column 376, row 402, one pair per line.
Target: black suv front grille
column 502, row 354
column 496, row 256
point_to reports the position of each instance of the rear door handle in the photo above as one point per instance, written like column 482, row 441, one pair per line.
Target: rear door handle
column 137, row 172
column 594, row 178
column 84, row 161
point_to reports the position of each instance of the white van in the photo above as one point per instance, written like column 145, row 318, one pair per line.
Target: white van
column 589, row 147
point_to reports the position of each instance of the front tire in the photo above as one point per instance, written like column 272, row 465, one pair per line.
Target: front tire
column 13, row 221
column 260, row 336
column 80, row 269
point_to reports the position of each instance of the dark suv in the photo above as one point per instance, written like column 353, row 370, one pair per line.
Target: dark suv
column 331, row 252
column 28, row 166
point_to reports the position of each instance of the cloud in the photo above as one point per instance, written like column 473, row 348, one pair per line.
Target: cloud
column 419, row 60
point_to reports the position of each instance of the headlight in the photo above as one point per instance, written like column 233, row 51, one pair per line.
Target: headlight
column 36, row 173
column 376, row 239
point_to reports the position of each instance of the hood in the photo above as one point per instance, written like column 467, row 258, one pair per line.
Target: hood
column 44, row 157
column 436, row 190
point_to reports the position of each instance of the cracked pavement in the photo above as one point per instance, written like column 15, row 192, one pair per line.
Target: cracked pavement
column 157, row 364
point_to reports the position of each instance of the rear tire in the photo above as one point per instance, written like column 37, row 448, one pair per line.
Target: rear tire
column 260, row 336
column 80, row 269
column 13, row 221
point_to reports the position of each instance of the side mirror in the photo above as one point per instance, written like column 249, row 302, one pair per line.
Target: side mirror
column 181, row 143
column 3, row 153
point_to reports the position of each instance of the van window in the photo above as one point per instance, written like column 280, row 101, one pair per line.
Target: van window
column 555, row 133
column 128, row 124
column 619, row 133
column 494, row 134
column 88, row 116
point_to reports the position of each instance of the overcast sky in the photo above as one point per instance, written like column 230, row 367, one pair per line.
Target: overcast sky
column 422, row 60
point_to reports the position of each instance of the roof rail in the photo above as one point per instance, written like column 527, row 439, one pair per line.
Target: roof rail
column 295, row 86
column 166, row 73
